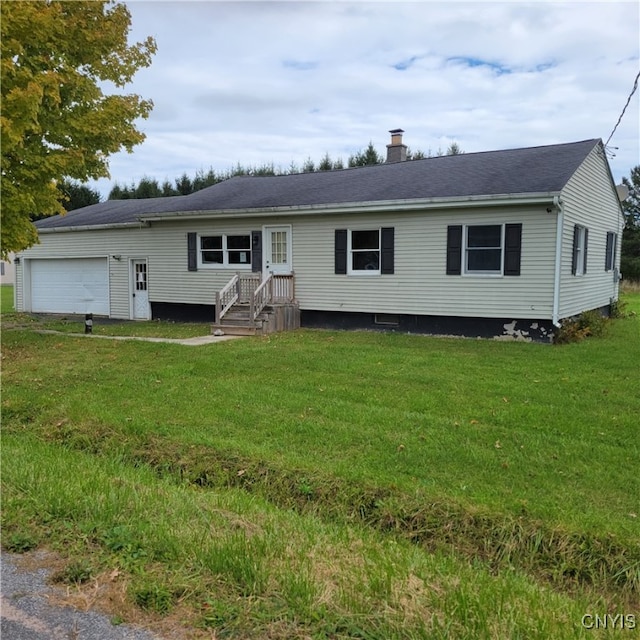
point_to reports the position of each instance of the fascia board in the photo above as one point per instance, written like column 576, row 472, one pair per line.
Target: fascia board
column 360, row 207
column 95, row 227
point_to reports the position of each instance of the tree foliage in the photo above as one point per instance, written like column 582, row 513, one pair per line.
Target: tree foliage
column 56, row 121
column 366, row 158
column 630, row 250
column 77, row 195
column 184, row 185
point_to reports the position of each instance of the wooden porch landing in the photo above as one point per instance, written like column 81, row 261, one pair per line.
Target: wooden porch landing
column 248, row 305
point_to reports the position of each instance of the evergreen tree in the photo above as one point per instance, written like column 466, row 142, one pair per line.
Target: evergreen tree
column 148, row 188
column 168, row 190
column 77, row 195
column 121, row 193
column 366, row 158
column 325, row 164
column 630, row 246
column 184, row 186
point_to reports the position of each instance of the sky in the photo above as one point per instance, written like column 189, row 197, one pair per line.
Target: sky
column 277, row 83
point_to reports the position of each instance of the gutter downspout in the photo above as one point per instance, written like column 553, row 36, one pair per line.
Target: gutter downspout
column 558, row 204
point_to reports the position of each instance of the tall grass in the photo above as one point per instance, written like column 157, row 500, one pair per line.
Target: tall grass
column 249, row 570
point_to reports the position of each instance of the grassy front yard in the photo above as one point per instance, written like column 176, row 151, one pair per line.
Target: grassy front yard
column 335, row 484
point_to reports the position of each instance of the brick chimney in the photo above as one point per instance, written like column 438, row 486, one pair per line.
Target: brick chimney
column 396, row 151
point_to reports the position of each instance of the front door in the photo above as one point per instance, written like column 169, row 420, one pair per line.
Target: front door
column 140, row 290
column 277, row 250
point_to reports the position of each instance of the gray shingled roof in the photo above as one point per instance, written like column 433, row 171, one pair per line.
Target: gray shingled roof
column 492, row 173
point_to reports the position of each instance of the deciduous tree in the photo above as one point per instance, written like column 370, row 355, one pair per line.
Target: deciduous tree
column 57, row 122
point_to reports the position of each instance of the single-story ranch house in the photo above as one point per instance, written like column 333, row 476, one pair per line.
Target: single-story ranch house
column 504, row 242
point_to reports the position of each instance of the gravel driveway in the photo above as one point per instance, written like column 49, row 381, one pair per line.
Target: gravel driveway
column 28, row 614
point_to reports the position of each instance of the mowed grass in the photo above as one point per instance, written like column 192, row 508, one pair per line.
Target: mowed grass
column 6, row 299
column 101, row 326
column 231, row 565
column 515, row 462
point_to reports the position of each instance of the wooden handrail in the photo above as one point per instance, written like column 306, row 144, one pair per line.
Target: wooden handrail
column 284, row 288
column 261, row 297
column 226, row 297
column 274, row 288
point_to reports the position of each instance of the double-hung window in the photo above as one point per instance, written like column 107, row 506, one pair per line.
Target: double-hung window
column 225, row 251
column 364, row 252
column 610, row 254
column 580, row 242
column 483, row 249
column 367, row 252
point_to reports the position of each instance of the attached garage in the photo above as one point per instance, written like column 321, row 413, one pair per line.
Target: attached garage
column 69, row 285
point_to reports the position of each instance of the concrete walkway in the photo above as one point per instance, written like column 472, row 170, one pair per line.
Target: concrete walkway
column 191, row 342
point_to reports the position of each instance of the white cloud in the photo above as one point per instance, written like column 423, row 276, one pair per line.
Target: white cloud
column 276, row 82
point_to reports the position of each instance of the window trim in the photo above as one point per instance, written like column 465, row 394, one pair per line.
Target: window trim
column 225, row 264
column 580, row 246
column 476, row 273
column 350, row 251
column 611, row 249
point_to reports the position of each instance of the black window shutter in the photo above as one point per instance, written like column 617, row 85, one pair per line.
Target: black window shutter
column 574, row 259
column 454, row 250
column 512, row 249
column 608, row 258
column 387, row 246
column 192, row 251
column 586, row 243
column 256, row 251
column 341, row 251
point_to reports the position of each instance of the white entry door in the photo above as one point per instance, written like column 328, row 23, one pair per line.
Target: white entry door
column 277, row 250
column 140, row 290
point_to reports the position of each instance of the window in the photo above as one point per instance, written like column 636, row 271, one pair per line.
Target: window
column 390, row 319
column 610, row 255
column 490, row 249
column 225, row 251
column 364, row 252
column 1, row 268
column 580, row 241
column 483, row 249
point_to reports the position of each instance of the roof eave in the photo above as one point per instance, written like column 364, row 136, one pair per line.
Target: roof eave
column 94, row 227
column 361, row 207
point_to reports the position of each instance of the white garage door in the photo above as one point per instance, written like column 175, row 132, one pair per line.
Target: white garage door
column 78, row 285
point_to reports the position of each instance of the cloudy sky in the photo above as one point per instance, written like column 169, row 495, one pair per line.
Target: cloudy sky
column 279, row 82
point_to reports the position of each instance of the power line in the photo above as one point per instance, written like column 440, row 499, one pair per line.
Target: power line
column 635, row 86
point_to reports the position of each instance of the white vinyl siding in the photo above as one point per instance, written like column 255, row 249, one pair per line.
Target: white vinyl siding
column 419, row 284
column 590, row 201
column 163, row 246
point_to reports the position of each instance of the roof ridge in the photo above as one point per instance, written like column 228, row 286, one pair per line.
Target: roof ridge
column 411, row 160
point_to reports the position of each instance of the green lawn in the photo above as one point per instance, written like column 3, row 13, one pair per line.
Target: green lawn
column 101, row 326
column 6, row 298
column 468, row 476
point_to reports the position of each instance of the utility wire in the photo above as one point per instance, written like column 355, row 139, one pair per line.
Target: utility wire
column 635, row 86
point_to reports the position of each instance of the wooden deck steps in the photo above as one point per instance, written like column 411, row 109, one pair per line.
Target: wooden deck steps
column 276, row 317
